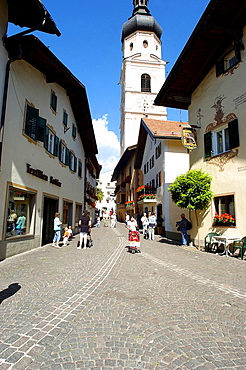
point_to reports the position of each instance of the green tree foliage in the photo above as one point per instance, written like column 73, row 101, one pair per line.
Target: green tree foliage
column 192, row 190
column 100, row 194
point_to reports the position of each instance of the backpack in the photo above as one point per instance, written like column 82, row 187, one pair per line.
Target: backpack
column 189, row 225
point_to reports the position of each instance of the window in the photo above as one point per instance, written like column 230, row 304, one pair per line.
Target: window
column 221, row 139
column 145, row 83
column 145, row 44
column 74, row 131
column 158, row 151
column 80, row 169
column 53, row 101
column 51, row 142
column 72, row 162
column 63, row 153
column 158, row 179
column 228, row 61
column 65, row 118
column 151, row 162
column 225, row 204
column 34, row 125
column 20, row 212
column 131, row 46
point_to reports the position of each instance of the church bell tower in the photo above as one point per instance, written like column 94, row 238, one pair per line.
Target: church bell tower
column 142, row 73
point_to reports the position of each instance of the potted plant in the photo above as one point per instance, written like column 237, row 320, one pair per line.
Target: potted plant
column 225, row 219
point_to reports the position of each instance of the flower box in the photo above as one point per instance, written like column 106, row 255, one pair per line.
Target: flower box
column 224, row 219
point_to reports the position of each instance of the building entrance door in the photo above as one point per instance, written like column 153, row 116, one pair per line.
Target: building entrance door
column 50, row 208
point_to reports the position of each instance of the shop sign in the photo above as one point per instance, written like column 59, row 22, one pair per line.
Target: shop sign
column 189, row 138
column 38, row 173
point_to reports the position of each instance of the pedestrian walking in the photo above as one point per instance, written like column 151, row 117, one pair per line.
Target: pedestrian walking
column 152, row 225
column 127, row 218
column 145, row 223
column 57, row 230
column 182, row 226
column 132, row 224
column 113, row 220
column 85, row 224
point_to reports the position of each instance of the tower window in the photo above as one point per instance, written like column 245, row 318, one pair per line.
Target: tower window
column 131, row 46
column 145, row 44
column 145, row 83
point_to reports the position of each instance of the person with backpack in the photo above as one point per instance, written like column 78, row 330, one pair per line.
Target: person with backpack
column 183, row 226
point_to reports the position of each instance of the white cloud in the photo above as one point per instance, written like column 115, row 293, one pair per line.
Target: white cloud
column 107, row 143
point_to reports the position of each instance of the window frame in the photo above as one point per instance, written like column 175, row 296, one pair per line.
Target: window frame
column 222, row 64
column 145, row 82
column 28, row 210
column 53, row 101
column 210, row 146
column 229, row 206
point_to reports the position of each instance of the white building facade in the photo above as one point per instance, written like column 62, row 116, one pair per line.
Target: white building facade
column 46, row 136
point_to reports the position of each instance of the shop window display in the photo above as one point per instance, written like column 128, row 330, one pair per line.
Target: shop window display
column 20, row 212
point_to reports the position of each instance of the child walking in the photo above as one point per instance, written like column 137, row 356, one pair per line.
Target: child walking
column 65, row 237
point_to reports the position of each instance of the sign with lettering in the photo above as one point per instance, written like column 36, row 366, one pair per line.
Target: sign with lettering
column 38, row 173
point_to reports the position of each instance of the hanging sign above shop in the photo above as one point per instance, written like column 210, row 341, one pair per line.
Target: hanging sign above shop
column 189, row 138
column 38, row 173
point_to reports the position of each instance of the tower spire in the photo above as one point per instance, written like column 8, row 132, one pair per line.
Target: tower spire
column 140, row 7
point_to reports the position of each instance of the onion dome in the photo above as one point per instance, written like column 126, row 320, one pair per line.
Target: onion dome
column 141, row 20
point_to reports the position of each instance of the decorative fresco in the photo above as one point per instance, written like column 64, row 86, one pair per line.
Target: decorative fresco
column 220, row 119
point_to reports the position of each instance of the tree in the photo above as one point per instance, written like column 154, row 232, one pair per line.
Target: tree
column 192, row 191
column 100, row 194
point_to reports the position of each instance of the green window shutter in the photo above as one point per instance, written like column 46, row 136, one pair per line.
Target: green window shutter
column 220, row 67
column 208, row 144
column 41, row 128
column 70, row 156
column 31, row 121
column 75, row 164
column 74, row 132
column 80, row 169
column 65, row 118
column 46, row 137
column 60, row 150
column 67, row 160
column 237, row 50
column 56, row 146
column 53, row 101
column 233, row 134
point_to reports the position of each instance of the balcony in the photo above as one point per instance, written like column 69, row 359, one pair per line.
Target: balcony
column 146, row 194
column 130, row 204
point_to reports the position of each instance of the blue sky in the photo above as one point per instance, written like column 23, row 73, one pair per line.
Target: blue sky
column 90, row 46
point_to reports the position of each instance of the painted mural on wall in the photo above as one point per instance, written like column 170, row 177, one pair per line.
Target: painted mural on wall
column 221, row 119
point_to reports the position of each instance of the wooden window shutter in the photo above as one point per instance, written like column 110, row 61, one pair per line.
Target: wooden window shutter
column 31, row 122
column 75, row 164
column 60, row 150
column 56, row 146
column 41, row 127
column 220, row 67
column 237, row 50
column 67, row 156
column 233, row 134
column 46, row 137
column 208, row 144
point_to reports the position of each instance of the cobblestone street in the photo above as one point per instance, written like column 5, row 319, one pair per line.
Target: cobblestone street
column 103, row 308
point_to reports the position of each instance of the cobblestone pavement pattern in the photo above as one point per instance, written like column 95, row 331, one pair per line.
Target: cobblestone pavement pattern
column 103, row 308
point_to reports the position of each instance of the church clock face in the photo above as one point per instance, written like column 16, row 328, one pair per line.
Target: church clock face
column 145, row 103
